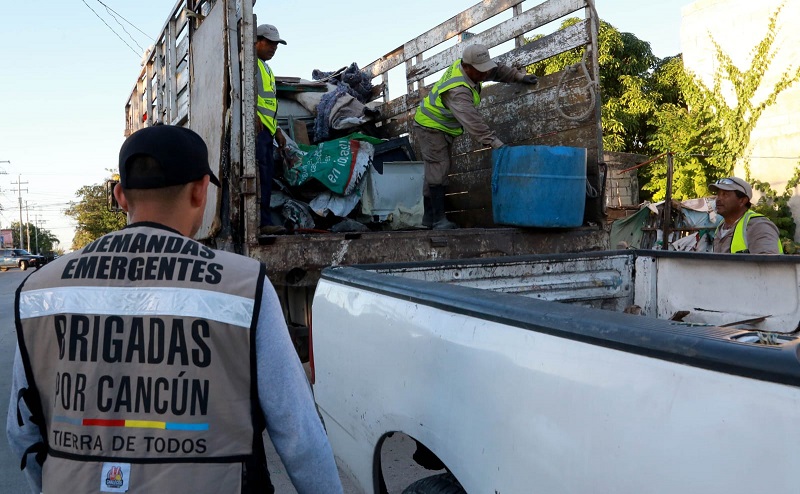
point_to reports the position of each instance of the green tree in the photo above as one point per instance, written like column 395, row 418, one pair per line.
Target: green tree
column 633, row 83
column 47, row 241
column 709, row 131
column 93, row 215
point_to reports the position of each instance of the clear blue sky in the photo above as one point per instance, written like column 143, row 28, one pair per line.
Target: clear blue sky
column 66, row 76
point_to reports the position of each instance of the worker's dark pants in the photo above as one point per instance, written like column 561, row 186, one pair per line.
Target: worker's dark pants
column 266, row 168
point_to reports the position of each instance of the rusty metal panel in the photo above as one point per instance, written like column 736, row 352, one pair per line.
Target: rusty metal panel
column 297, row 260
column 605, row 282
column 208, row 88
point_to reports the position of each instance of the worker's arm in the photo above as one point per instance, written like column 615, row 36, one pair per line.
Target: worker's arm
column 24, row 435
column 459, row 101
column 762, row 236
column 288, row 405
column 504, row 73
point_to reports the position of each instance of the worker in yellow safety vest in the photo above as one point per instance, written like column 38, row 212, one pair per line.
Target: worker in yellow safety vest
column 451, row 107
column 742, row 229
column 267, row 130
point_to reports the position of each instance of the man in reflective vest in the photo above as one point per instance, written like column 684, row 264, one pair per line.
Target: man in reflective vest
column 267, row 130
column 742, row 230
column 442, row 115
column 148, row 362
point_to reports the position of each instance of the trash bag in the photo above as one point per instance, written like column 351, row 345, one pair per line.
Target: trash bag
column 338, row 164
column 298, row 213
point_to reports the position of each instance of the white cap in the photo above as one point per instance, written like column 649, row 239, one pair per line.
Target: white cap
column 732, row 183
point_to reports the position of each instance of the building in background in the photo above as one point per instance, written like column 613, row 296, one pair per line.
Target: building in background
column 738, row 26
column 6, row 238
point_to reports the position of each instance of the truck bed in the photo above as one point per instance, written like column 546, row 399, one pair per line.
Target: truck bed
column 517, row 393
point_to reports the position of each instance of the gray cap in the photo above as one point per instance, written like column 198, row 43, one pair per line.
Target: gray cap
column 478, row 57
column 732, row 183
column 270, row 32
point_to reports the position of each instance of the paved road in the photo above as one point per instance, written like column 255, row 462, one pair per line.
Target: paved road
column 399, row 469
column 11, row 479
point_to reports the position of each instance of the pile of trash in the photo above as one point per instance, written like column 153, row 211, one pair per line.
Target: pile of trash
column 334, row 161
column 691, row 228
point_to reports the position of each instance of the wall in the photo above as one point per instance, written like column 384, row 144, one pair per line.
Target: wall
column 738, row 25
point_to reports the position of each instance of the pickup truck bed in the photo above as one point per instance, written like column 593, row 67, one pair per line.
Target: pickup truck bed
column 515, row 394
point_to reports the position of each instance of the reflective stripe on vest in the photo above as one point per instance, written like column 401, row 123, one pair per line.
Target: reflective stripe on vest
column 432, row 112
column 140, row 348
column 267, row 106
column 739, row 241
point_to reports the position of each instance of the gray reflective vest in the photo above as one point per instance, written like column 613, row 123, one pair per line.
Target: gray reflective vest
column 267, row 106
column 433, row 113
column 139, row 351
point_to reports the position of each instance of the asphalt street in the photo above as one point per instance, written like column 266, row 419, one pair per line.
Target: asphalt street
column 11, row 478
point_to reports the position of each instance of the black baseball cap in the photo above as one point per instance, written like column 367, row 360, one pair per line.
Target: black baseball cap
column 181, row 154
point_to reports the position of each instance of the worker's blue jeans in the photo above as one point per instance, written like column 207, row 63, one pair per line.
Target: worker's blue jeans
column 266, row 169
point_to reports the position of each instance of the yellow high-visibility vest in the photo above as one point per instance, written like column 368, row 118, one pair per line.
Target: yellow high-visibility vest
column 432, row 112
column 739, row 241
column 267, row 106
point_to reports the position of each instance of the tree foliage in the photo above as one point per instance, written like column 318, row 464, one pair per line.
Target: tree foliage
column 710, row 131
column 652, row 106
column 93, row 216
column 631, row 85
column 47, row 241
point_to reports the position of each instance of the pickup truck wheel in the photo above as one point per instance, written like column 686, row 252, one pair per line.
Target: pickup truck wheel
column 23, row 265
column 444, row 483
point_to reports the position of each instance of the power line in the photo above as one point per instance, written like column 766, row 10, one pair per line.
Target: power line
column 124, row 19
column 108, row 9
column 112, row 29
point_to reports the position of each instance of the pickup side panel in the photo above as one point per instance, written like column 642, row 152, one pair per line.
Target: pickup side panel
column 520, row 395
column 762, row 292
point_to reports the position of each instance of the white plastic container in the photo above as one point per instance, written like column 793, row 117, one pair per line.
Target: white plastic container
column 396, row 192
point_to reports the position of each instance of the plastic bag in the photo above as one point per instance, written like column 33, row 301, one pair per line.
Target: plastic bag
column 338, row 164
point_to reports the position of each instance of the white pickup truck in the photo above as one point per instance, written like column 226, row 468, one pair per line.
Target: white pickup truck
column 607, row 372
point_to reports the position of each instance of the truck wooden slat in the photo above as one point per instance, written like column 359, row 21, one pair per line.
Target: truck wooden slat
column 536, row 17
column 439, row 34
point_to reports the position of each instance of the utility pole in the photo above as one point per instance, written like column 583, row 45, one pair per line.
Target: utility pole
column 19, row 185
column 3, row 172
column 28, row 225
column 39, row 224
column 36, row 230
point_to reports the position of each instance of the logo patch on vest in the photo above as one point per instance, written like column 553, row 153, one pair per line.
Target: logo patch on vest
column 116, row 477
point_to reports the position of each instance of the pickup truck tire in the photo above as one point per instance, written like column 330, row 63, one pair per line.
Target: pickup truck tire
column 23, row 265
column 444, row 483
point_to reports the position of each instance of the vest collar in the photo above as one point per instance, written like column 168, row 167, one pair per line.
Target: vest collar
column 469, row 81
column 153, row 224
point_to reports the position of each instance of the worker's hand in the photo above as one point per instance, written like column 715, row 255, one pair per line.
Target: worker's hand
column 280, row 138
column 530, row 79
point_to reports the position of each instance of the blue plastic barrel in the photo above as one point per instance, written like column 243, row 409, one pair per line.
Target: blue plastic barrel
column 539, row 186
